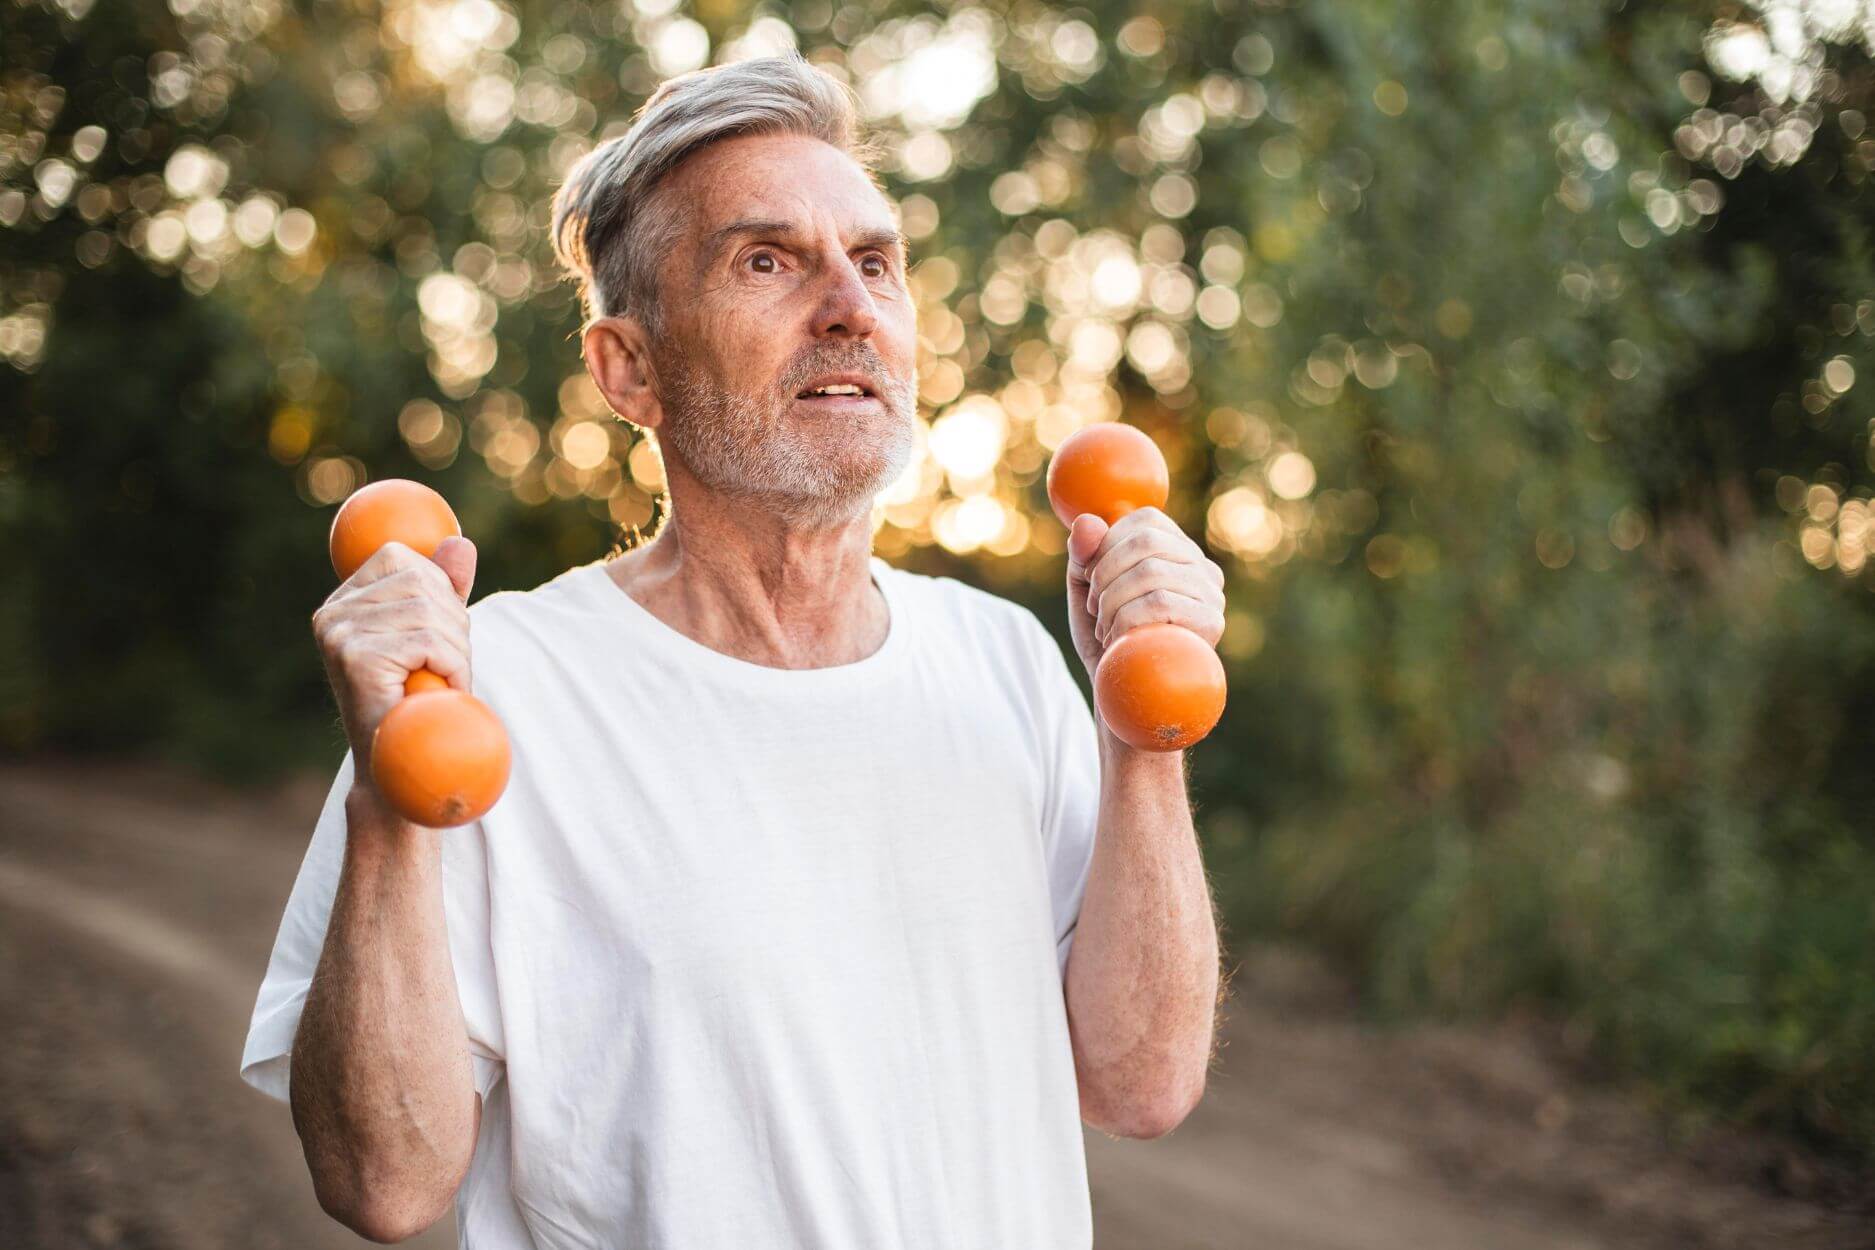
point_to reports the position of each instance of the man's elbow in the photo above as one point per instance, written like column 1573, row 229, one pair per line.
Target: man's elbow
column 384, row 1212
column 1147, row 1119
column 386, row 1223
column 382, row 1207
column 1165, row 1115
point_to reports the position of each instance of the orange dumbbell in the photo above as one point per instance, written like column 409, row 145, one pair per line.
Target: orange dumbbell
column 1159, row 687
column 440, row 757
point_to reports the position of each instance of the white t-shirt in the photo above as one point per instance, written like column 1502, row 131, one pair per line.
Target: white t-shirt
column 752, row 956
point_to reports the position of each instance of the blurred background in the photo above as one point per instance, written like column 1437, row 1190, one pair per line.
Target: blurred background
column 1505, row 353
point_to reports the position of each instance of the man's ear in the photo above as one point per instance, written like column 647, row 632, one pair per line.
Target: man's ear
column 615, row 352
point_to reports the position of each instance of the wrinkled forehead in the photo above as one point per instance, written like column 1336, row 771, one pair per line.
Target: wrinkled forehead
column 765, row 184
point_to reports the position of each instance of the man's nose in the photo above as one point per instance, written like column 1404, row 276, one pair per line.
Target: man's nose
column 845, row 302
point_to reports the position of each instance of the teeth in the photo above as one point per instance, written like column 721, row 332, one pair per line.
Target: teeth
column 839, row 388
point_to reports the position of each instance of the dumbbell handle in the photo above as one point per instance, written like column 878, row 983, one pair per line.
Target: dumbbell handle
column 423, row 679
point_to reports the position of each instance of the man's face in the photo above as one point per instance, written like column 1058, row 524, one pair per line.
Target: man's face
column 789, row 269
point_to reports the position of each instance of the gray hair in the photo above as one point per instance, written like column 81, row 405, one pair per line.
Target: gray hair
column 611, row 228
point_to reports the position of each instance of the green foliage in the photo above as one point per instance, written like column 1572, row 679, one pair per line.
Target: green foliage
column 1506, row 356
column 1525, row 762
column 1690, row 879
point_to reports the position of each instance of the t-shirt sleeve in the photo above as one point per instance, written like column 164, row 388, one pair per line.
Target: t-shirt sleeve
column 1071, row 809
column 266, row 1059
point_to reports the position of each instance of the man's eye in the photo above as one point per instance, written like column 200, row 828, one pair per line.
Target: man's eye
column 874, row 258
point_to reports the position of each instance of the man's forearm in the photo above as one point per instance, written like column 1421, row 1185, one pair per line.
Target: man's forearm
column 1142, row 976
column 382, row 1087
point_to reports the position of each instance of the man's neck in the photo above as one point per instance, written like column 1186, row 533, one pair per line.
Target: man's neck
column 742, row 581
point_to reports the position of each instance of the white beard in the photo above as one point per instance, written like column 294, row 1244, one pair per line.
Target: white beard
column 809, row 473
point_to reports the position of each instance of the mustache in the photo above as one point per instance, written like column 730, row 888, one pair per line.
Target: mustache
column 871, row 368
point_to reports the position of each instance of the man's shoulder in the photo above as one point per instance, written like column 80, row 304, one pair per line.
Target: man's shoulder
column 971, row 610
column 501, row 612
column 979, row 630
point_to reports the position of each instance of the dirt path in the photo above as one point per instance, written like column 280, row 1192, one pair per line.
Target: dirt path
column 137, row 910
column 136, row 916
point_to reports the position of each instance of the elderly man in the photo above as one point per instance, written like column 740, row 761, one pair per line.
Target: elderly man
column 818, row 912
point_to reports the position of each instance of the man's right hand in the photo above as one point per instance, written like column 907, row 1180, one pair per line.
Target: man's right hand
column 398, row 613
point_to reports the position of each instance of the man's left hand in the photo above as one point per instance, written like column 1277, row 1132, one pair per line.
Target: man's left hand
column 1142, row 568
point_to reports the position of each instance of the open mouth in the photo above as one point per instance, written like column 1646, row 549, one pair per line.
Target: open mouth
column 839, row 396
